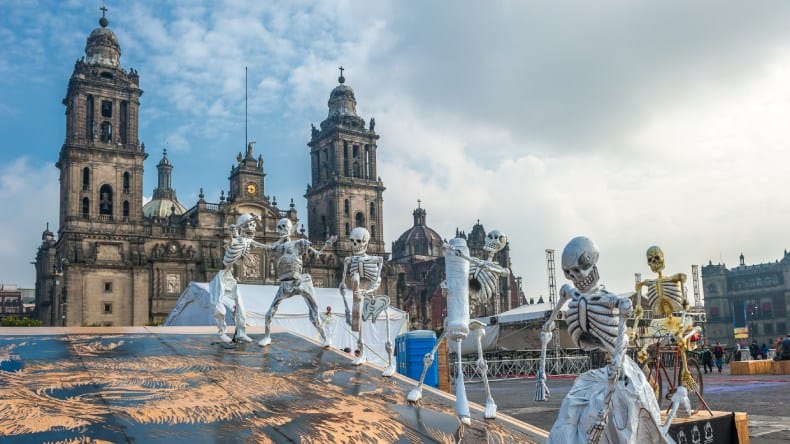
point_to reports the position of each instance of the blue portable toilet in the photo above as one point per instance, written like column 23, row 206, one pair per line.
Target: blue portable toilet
column 411, row 347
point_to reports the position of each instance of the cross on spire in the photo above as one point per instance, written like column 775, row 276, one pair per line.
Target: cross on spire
column 341, row 79
column 418, row 203
column 103, row 10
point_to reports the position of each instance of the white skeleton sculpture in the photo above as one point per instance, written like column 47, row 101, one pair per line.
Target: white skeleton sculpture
column 463, row 270
column 616, row 402
column 288, row 257
column 362, row 273
column 224, row 289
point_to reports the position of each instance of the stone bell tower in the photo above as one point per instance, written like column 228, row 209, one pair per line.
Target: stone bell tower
column 95, row 275
column 345, row 191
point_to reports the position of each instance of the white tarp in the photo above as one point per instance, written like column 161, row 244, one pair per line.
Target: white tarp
column 194, row 308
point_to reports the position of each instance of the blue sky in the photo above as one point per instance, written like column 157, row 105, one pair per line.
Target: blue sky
column 634, row 123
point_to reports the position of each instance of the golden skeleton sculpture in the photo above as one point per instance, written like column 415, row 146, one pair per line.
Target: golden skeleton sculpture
column 666, row 295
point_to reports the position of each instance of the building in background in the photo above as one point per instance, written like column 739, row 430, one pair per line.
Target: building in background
column 11, row 304
column 117, row 261
column 750, row 300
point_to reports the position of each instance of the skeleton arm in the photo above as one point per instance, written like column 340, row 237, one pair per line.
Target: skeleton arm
column 346, row 261
column 328, row 244
column 541, row 390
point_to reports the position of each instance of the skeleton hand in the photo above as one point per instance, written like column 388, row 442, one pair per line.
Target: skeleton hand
column 597, row 430
column 329, row 242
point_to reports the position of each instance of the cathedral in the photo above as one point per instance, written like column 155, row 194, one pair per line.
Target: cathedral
column 117, row 261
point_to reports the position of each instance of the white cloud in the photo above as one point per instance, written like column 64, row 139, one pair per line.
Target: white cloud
column 29, row 196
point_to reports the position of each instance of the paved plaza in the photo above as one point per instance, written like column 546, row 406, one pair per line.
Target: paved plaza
column 766, row 398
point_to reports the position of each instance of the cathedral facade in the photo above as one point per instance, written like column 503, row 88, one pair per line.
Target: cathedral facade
column 117, row 261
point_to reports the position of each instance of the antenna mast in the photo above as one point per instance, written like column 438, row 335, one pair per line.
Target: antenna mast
column 553, row 298
column 245, row 107
column 695, row 281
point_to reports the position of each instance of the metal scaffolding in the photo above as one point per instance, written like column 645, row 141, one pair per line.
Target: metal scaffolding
column 519, row 368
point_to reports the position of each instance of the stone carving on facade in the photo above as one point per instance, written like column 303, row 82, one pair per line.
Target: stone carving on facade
column 289, row 269
column 250, row 266
column 461, row 270
column 614, row 403
column 172, row 250
column 173, row 283
column 362, row 274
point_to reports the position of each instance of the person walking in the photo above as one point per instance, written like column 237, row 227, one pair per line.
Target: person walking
column 718, row 353
column 764, row 351
column 754, row 350
column 707, row 358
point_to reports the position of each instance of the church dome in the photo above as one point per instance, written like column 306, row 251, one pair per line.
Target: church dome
column 102, row 47
column 163, row 208
column 342, row 101
column 419, row 240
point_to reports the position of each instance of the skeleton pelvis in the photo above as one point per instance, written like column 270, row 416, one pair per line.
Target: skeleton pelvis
column 373, row 306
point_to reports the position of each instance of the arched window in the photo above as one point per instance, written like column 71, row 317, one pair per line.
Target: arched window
column 345, row 159
column 126, row 208
column 105, row 200
column 348, row 229
column 372, row 211
column 86, row 178
column 124, row 120
column 126, row 182
column 372, row 231
column 356, row 169
column 346, row 207
column 359, row 218
column 86, row 205
column 90, row 124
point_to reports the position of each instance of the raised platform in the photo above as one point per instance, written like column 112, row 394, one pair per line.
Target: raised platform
column 760, row 367
column 150, row 384
column 719, row 428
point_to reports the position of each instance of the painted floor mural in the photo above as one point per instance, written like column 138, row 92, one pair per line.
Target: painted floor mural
column 129, row 387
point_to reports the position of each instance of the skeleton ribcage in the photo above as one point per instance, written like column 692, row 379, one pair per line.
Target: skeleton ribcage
column 664, row 297
column 236, row 250
column 367, row 268
column 591, row 322
column 482, row 282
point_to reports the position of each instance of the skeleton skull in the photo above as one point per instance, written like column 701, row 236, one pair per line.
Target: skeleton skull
column 655, row 259
column 246, row 224
column 495, row 241
column 579, row 259
column 359, row 240
column 284, row 227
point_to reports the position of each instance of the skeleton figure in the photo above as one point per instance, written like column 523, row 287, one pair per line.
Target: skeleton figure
column 224, row 289
column 288, row 258
column 607, row 402
column 666, row 295
column 362, row 273
column 457, row 323
column 484, row 275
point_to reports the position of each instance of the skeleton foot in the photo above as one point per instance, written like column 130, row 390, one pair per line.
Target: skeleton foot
column 242, row 337
column 490, row 412
column 265, row 341
column 415, row 394
column 389, row 371
column 359, row 360
column 327, row 342
column 224, row 338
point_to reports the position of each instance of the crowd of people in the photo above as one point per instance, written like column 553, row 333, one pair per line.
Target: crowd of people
column 718, row 355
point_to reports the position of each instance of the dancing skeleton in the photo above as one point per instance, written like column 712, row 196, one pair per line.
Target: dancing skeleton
column 465, row 275
column 596, row 321
column 288, row 255
column 224, row 289
column 665, row 296
column 363, row 275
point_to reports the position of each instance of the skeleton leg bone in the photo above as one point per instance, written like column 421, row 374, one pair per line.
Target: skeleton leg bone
column 240, row 318
column 361, row 359
column 461, row 404
column 416, row 393
column 390, row 369
column 478, row 329
column 278, row 298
